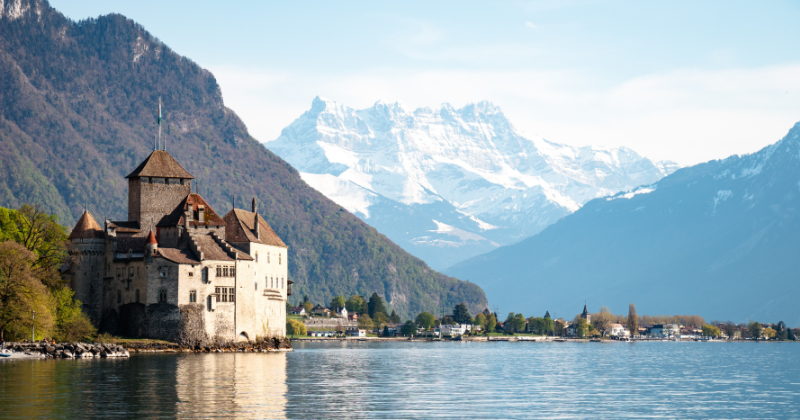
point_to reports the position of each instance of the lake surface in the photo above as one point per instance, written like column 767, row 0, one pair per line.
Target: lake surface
column 419, row 380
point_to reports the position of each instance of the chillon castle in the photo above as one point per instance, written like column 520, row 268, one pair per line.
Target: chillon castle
column 176, row 270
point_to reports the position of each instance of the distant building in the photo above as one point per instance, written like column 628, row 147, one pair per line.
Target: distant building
column 321, row 311
column 340, row 312
column 352, row 317
column 454, row 330
column 617, row 330
column 572, row 330
column 298, row 310
column 356, row 332
column 585, row 315
column 665, row 331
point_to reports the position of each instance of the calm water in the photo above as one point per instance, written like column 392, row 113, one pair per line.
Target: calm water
column 420, row 380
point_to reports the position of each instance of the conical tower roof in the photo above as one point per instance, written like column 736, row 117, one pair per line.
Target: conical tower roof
column 87, row 228
column 160, row 164
column 151, row 238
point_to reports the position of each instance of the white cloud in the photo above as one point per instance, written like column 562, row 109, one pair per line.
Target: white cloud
column 530, row 25
column 688, row 115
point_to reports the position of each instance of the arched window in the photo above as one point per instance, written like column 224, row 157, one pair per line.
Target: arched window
column 137, row 295
column 267, row 257
column 279, row 259
column 256, row 256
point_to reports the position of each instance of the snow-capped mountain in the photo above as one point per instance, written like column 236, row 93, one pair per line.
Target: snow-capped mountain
column 447, row 184
column 719, row 239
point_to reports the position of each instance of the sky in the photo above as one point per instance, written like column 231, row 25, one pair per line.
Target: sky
column 685, row 81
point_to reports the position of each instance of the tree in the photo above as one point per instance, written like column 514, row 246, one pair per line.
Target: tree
column 295, row 327
column 711, row 331
column 461, row 314
column 337, row 302
column 426, row 320
column 394, row 318
column 308, row 307
column 491, row 323
column 305, row 299
column 633, row 320
column 375, row 305
column 755, row 330
column 730, row 330
column 41, row 234
column 409, row 329
column 769, row 332
column 603, row 320
column 548, row 324
column 385, row 330
column 71, row 324
column 514, row 323
column 365, row 322
column 480, row 321
column 356, row 305
column 791, row 335
column 448, row 320
column 583, row 327
column 21, row 293
column 380, row 319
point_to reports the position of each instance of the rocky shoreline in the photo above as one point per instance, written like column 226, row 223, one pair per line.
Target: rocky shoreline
column 123, row 349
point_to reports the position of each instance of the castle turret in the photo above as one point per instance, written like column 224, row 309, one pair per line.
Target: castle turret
column 156, row 187
column 152, row 244
column 87, row 252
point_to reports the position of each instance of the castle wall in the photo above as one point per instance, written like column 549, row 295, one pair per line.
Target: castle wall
column 271, row 273
column 87, row 270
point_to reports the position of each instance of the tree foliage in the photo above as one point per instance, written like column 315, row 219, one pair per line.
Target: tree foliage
column 364, row 321
column 583, row 327
column 426, row 320
column 295, row 327
column 602, row 320
column 632, row 320
column 755, row 329
column 480, row 321
column 408, row 329
column 491, row 323
column 394, row 318
column 356, row 304
column 338, row 302
column 375, row 305
column 711, row 331
column 461, row 314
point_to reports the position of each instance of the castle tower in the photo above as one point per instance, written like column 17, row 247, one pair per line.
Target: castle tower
column 87, row 251
column 156, row 187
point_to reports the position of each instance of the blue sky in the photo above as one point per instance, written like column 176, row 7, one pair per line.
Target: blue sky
column 672, row 80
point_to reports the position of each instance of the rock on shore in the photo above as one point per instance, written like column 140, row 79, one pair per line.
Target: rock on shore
column 68, row 350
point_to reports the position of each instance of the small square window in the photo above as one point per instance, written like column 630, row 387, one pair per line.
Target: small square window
column 191, row 274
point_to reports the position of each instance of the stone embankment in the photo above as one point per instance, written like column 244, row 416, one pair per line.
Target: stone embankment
column 273, row 344
column 68, row 350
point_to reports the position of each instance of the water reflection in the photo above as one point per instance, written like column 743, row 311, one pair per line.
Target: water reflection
column 173, row 386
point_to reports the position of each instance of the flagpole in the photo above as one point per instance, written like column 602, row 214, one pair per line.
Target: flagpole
column 159, row 121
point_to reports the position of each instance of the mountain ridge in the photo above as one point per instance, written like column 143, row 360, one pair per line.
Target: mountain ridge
column 467, row 168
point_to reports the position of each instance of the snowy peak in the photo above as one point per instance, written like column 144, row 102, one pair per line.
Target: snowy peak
column 472, row 158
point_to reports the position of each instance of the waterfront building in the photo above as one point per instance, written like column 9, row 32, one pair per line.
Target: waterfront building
column 618, row 330
column 176, row 270
column 665, row 331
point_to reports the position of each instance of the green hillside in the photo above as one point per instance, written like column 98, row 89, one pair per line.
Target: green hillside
column 77, row 113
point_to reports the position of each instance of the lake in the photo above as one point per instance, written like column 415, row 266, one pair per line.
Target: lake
column 419, row 380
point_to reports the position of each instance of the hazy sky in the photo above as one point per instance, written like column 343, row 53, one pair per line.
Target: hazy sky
column 687, row 81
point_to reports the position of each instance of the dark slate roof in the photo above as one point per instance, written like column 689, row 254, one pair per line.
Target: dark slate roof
column 125, row 227
column 176, row 218
column 87, row 228
column 160, row 164
column 180, row 256
column 240, row 227
column 136, row 245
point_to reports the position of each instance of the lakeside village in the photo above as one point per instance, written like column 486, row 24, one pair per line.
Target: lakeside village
column 177, row 276
column 362, row 319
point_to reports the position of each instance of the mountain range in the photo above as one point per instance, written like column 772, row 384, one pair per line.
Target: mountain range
column 718, row 239
column 78, row 107
column 446, row 183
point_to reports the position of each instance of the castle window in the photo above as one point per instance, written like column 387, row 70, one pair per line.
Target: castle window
column 163, row 271
column 225, row 271
column 217, row 294
column 119, row 272
column 119, row 296
column 137, row 295
column 231, row 291
column 162, row 295
column 267, row 257
column 219, row 271
column 193, row 296
column 256, row 285
column 191, row 274
column 279, row 259
column 256, row 256
column 130, row 272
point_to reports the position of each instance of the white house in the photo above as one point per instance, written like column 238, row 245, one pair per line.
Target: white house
column 617, row 330
column 454, row 330
column 340, row 312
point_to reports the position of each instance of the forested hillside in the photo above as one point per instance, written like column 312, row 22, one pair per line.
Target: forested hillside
column 78, row 103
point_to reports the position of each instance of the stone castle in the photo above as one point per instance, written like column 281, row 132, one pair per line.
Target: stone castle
column 176, row 270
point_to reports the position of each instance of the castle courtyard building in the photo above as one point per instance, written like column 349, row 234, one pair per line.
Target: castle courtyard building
column 176, row 270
